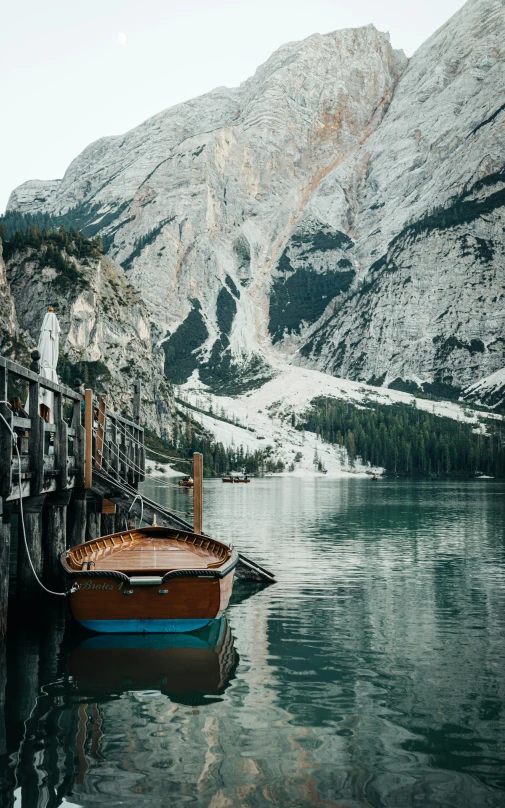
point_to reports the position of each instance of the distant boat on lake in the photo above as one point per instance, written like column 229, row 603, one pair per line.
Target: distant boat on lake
column 236, row 478
column 186, row 482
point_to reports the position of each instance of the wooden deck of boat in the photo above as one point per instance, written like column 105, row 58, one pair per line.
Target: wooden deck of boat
column 157, row 554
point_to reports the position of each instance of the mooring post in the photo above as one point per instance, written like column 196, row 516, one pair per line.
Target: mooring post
column 27, row 587
column 108, row 520
column 54, row 537
column 3, row 684
column 93, row 513
column 76, row 518
column 5, row 549
column 88, row 426
column 197, row 491
column 137, row 390
column 6, row 446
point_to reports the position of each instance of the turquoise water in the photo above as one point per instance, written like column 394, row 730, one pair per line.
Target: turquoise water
column 371, row 674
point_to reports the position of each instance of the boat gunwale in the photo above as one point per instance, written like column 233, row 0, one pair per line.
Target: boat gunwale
column 217, row 569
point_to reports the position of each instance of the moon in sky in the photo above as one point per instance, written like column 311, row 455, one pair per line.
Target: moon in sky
column 122, row 38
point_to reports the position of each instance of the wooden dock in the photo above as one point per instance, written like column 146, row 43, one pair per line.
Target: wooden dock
column 78, row 479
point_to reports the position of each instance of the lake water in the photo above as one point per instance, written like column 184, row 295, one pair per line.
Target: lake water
column 371, row 674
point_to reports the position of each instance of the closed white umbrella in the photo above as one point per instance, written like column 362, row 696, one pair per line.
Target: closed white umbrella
column 48, row 348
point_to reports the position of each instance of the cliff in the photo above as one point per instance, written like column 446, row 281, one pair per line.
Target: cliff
column 342, row 209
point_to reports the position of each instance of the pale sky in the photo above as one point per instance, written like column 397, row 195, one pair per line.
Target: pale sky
column 72, row 72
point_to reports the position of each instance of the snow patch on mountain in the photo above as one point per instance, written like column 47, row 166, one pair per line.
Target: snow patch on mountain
column 263, row 417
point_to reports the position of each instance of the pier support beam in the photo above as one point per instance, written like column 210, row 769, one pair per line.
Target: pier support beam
column 54, row 539
column 5, row 550
column 76, row 518
column 108, row 519
column 27, row 587
column 93, row 517
column 198, row 491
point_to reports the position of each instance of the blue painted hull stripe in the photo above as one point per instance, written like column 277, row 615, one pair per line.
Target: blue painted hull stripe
column 144, row 626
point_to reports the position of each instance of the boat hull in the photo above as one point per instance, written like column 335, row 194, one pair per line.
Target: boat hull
column 181, row 604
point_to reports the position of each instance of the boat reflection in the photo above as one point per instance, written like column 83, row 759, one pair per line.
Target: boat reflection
column 185, row 667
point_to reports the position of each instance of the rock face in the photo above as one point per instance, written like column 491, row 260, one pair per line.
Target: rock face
column 10, row 333
column 340, row 207
column 105, row 328
column 429, row 219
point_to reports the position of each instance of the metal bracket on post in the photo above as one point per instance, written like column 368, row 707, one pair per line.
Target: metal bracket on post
column 197, row 492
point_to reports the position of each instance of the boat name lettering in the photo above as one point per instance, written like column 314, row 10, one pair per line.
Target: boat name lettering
column 91, row 585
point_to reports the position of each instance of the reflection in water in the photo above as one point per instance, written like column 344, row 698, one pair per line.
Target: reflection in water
column 372, row 674
column 186, row 667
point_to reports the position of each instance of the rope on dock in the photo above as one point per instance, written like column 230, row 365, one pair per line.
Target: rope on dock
column 21, row 513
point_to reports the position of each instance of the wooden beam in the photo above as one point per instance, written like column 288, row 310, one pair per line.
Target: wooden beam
column 6, row 448
column 88, row 426
column 198, row 491
column 27, row 586
column 114, row 449
column 137, row 391
column 30, row 375
column 54, row 536
column 5, row 546
column 36, row 441
column 100, row 430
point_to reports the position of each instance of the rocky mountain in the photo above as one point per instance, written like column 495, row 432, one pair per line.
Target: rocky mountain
column 342, row 209
column 105, row 331
column 10, row 334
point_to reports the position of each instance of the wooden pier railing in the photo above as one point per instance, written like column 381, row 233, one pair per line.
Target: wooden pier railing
column 53, row 473
column 76, row 476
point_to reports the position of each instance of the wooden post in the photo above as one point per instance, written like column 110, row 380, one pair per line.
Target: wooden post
column 27, row 587
column 114, row 449
column 137, row 390
column 122, row 451
column 5, row 548
column 36, row 442
column 76, row 519
column 93, row 513
column 142, row 455
column 54, row 538
column 3, row 729
column 198, row 491
column 5, row 439
column 108, row 520
column 88, row 426
column 79, row 439
column 100, row 430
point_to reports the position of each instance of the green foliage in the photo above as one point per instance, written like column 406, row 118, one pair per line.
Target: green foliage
column 145, row 241
column 436, row 390
column 407, row 441
column 322, row 241
column 94, row 375
column 225, row 310
column 180, row 348
column 54, row 248
column 303, row 296
column 466, row 208
column 189, row 437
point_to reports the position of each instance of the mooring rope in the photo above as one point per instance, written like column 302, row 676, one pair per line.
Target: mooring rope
column 21, row 513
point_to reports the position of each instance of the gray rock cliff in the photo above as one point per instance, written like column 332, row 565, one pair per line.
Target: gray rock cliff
column 342, row 208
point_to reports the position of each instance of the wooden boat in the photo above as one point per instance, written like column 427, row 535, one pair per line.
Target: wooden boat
column 153, row 579
column 186, row 482
column 178, row 665
column 236, row 479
